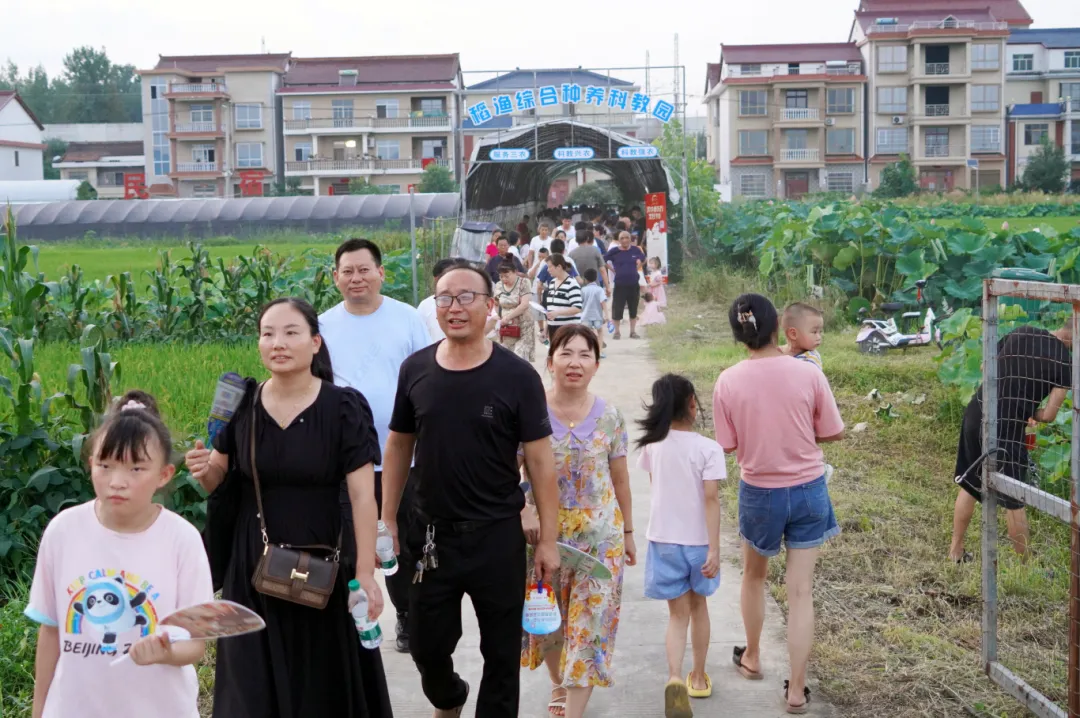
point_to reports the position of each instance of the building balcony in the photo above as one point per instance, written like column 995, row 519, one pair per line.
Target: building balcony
column 986, row 148
column 349, row 125
column 939, row 154
column 944, row 69
column 198, row 128
column 963, row 27
column 897, row 148
column 196, row 90
column 196, row 168
column 799, row 114
column 359, row 167
column 800, row 155
column 936, row 113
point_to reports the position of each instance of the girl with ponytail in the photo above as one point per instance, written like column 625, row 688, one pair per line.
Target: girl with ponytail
column 682, row 566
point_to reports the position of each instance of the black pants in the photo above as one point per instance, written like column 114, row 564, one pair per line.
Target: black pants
column 624, row 295
column 398, row 584
column 485, row 560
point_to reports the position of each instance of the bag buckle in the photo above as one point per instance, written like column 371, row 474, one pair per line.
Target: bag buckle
column 297, row 576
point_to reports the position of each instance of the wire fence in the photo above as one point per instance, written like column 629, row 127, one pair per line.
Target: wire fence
column 1023, row 452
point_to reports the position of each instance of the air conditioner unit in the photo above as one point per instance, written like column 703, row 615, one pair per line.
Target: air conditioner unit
column 898, row 119
column 830, row 121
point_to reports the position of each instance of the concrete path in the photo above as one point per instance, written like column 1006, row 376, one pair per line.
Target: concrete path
column 625, row 379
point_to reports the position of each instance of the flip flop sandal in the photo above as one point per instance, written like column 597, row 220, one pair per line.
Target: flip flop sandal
column 800, row 709
column 677, row 700
column 966, row 558
column 746, row 672
column 557, row 705
column 699, row 692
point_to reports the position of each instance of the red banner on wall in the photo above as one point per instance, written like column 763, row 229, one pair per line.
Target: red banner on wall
column 135, row 185
column 656, row 228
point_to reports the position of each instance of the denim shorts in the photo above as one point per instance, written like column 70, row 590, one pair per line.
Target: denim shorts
column 802, row 516
column 671, row 570
column 593, row 323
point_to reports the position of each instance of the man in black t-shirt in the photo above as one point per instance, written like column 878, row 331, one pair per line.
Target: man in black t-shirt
column 466, row 405
column 1033, row 365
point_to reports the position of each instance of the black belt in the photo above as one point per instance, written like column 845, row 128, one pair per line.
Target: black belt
column 456, row 527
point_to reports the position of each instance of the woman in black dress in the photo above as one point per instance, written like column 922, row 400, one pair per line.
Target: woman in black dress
column 310, row 436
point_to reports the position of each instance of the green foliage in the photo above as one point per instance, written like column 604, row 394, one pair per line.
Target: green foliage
column 18, row 641
column 601, row 194
column 53, row 148
column 897, row 180
column 437, row 178
column 86, row 191
column 1047, row 170
column 362, row 186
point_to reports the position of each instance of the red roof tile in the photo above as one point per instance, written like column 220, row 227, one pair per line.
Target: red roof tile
column 440, row 70
column 217, row 63
column 7, row 96
column 1010, row 11
column 94, row 151
column 805, row 52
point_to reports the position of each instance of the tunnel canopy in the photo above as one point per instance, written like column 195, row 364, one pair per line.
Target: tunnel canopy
column 491, row 184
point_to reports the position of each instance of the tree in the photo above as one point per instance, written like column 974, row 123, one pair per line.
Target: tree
column 898, row 180
column 86, row 191
column 437, row 178
column 53, row 148
column 362, row 186
column 1047, row 170
column 596, row 193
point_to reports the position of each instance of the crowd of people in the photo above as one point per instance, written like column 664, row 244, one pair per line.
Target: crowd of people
column 430, row 422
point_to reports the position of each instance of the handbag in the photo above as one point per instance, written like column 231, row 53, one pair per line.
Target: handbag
column 291, row 573
column 511, row 331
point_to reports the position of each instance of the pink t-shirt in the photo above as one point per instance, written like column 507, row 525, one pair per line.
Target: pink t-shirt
column 104, row 590
column 678, row 466
column 773, row 410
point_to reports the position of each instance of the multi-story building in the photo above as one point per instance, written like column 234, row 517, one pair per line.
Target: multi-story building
column 102, row 164
column 210, row 120
column 1042, row 90
column 785, row 120
column 380, row 119
column 22, row 142
column 937, row 89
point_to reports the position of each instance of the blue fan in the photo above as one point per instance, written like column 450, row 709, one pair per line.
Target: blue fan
column 227, row 398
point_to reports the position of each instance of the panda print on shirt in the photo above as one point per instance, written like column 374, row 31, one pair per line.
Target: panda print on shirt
column 111, row 609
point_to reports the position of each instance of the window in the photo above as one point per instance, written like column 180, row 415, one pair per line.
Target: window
column 302, row 151
column 433, row 149
column 752, row 185
column 985, row 56
column 343, row 112
column 159, row 122
column 985, row 98
column 891, row 141
column 1072, row 59
column 796, row 139
column 892, row 58
column 892, row 100
column 248, row 117
column 1036, row 133
column 840, row 182
column 301, row 110
column 752, row 102
column 386, row 109
column 840, row 142
column 16, row 158
column 1071, row 92
column 793, row 68
column 392, row 188
column 388, row 150
column 754, row 69
column 840, row 100
column 111, row 179
column 433, row 106
column 347, row 78
column 1023, row 62
column 985, row 138
column 249, row 154
column 204, row 189
column 796, row 99
column 753, row 143
column 202, row 113
column 202, row 153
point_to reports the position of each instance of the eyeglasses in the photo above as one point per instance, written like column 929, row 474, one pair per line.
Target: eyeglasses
column 464, row 299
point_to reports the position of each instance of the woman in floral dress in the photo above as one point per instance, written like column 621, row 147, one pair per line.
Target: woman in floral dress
column 512, row 292
column 590, row 443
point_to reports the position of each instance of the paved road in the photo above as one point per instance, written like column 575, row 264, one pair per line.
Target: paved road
column 625, row 379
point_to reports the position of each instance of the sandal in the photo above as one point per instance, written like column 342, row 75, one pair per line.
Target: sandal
column 966, row 558
column 801, row 708
column 634, row 335
column 677, row 700
column 557, row 705
column 699, row 692
column 746, row 672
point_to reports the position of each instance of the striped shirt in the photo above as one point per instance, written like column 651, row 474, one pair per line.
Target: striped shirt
column 562, row 296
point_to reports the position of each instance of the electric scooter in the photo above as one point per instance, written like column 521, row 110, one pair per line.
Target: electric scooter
column 915, row 329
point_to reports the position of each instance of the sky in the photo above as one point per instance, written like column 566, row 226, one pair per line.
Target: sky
column 488, row 35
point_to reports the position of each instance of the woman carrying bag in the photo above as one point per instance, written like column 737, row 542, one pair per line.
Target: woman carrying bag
column 516, row 326
column 289, row 446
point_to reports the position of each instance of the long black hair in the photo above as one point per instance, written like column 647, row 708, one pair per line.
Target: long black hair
column 671, row 395
column 320, row 363
column 754, row 320
column 129, row 429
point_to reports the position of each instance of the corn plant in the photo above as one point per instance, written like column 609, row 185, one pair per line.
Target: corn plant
column 124, row 313
column 93, row 378
column 24, row 294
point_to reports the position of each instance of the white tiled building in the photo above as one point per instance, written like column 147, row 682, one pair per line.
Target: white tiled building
column 22, row 140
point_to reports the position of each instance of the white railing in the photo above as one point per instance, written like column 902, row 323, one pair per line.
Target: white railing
column 196, row 167
column 782, row 71
column 197, row 88
column 593, row 118
column 801, row 155
column 892, row 148
column 854, row 69
column 986, row 147
column 196, row 127
column 425, row 122
column 799, row 113
column 359, row 165
column 937, row 68
column 932, row 151
column 413, row 123
column 936, row 25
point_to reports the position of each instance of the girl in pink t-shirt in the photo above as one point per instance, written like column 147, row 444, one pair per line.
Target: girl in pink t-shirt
column 773, row 411
column 107, row 572
column 682, row 566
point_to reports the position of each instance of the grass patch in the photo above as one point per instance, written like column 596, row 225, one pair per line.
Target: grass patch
column 898, row 626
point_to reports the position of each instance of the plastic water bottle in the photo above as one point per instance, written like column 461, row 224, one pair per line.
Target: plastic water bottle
column 369, row 630
column 384, row 548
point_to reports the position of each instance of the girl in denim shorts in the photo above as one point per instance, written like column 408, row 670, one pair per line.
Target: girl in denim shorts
column 683, row 563
column 773, row 411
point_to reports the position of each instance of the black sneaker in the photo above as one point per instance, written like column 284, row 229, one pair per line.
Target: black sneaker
column 402, row 642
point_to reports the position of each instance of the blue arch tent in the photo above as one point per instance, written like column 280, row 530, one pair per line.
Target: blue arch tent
column 214, row 217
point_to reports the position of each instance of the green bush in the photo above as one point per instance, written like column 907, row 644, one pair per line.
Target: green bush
column 437, row 178
column 1048, row 169
column 897, row 180
column 18, row 642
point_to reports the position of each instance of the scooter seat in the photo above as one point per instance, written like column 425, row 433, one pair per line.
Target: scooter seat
column 892, row 306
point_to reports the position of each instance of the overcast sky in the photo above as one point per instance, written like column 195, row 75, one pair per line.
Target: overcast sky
column 489, row 35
